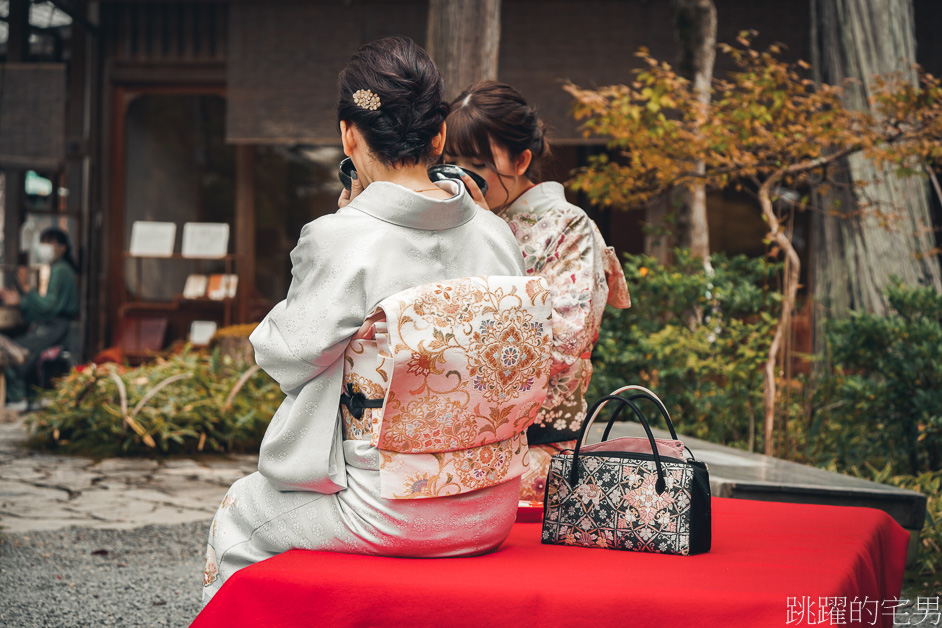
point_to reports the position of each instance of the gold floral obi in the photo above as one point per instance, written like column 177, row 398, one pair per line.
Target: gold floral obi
column 461, row 367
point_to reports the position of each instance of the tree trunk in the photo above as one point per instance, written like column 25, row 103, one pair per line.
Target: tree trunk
column 237, row 347
column 856, row 253
column 660, row 238
column 463, row 39
column 695, row 28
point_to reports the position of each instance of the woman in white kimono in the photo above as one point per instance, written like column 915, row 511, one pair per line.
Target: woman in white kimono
column 492, row 131
column 394, row 230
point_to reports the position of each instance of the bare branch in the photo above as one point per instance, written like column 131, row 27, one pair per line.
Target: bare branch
column 935, row 181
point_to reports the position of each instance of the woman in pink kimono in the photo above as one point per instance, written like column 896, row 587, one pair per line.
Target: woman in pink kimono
column 319, row 480
column 492, row 131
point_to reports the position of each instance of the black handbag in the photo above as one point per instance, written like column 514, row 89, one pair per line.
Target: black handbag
column 613, row 495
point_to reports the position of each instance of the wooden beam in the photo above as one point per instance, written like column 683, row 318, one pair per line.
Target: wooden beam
column 77, row 14
column 463, row 40
column 53, row 31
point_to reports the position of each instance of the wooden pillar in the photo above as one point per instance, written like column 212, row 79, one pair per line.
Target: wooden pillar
column 245, row 227
column 76, row 130
column 77, row 164
column 14, row 180
column 18, row 35
column 463, row 39
column 17, row 52
column 111, row 229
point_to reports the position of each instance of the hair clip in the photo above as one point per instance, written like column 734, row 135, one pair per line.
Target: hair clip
column 366, row 99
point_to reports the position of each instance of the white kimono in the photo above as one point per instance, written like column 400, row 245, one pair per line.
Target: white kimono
column 313, row 489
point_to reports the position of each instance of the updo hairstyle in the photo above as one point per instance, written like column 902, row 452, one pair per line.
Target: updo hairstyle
column 411, row 93
column 489, row 110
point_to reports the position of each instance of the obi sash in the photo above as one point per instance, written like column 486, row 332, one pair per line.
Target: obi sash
column 461, row 367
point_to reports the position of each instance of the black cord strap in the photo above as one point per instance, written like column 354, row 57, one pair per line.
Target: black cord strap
column 357, row 402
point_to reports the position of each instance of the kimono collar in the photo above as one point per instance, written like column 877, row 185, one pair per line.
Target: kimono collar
column 546, row 194
column 401, row 206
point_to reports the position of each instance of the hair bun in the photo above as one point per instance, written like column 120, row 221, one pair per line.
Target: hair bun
column 412, row 95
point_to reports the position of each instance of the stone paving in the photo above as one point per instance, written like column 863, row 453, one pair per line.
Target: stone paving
column 40, row 491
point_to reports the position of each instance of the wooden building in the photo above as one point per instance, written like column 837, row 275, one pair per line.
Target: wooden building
column 222, row 111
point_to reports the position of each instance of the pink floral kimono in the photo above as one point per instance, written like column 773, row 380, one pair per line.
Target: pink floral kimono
column 560, row 243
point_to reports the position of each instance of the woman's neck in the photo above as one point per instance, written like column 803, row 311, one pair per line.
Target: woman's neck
column 518, row 187
column 414, row 178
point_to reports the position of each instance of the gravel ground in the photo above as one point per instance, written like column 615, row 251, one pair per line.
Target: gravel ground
column 148, row 576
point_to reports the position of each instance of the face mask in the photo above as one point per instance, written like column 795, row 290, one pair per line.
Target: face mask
column 45, row 253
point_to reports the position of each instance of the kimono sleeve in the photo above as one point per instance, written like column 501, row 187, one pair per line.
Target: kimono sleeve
column 572, row 270
column 615, row 277
column 300, row 344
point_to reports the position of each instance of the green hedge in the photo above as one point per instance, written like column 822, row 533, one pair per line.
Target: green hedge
column 698, row 340
column 194, row 401
column 881, row 397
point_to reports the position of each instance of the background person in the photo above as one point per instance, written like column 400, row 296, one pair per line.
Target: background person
column 48, row 316
column 394, row 230
column 492, row 131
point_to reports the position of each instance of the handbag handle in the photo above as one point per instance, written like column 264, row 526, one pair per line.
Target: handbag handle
column 661, row 485
column 611, row 423
column 643, row 394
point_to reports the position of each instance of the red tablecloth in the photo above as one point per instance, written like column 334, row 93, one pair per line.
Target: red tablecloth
column 769, row 566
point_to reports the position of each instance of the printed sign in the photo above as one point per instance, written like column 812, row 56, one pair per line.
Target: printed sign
column 152, row 239
column 205, row 239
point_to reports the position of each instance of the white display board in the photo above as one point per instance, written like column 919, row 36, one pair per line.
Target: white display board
column 152, row 239
column 205, row 239
column 201, row 332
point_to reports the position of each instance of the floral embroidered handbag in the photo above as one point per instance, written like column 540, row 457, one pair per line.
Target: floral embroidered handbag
column 638, row 494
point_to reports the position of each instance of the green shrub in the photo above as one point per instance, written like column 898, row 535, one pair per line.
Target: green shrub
column 194, row 401
column 878, row 409
column 699, row 341
column 882, row 399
